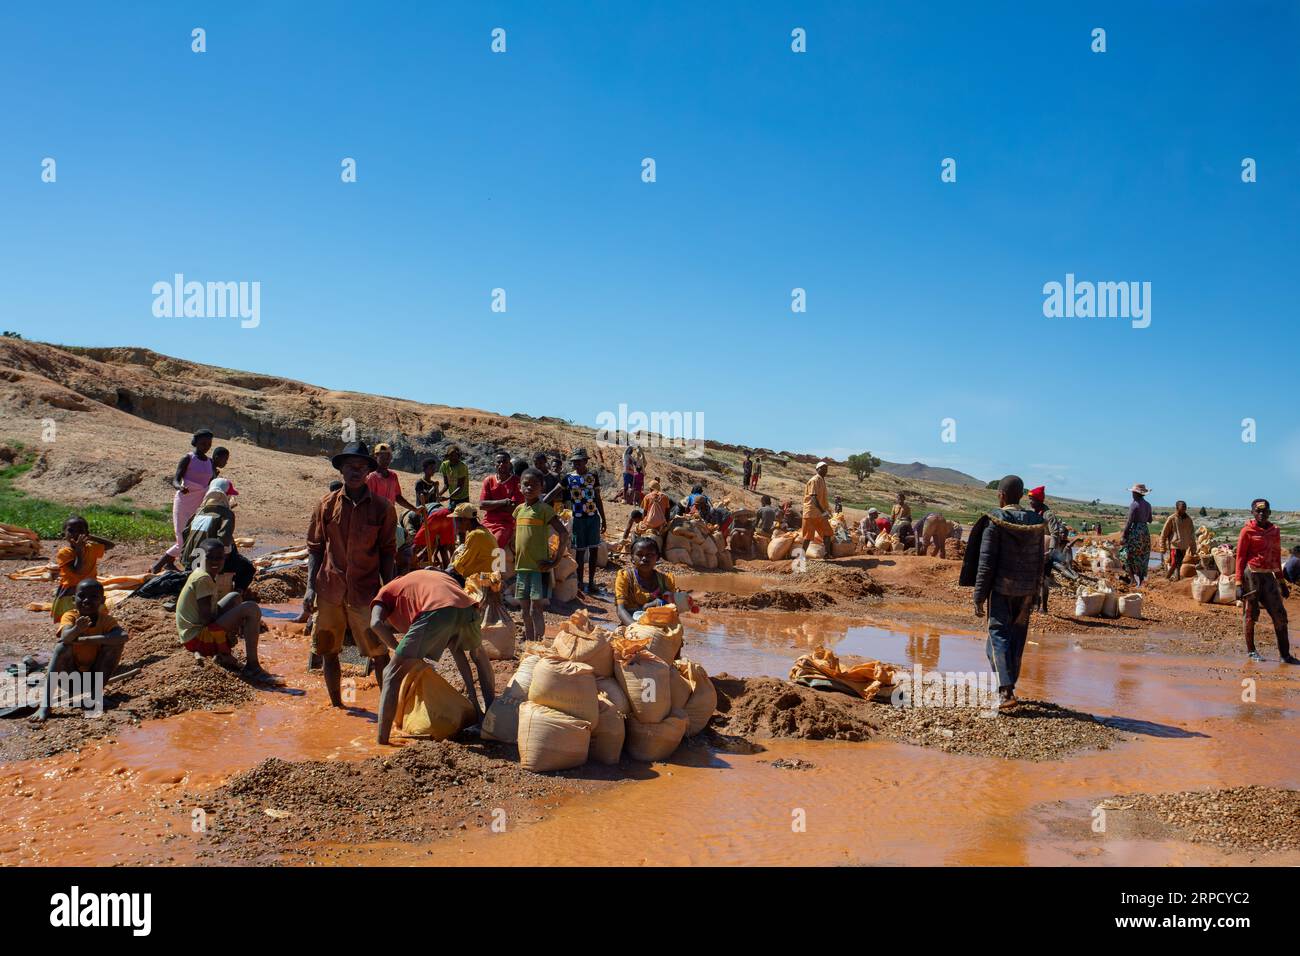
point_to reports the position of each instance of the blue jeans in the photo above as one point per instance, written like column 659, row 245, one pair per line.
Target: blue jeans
column 1006, row 644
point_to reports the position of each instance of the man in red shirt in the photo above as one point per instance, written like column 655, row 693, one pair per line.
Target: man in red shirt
column 1259, row 581
column 437, row 537
column 498, row 500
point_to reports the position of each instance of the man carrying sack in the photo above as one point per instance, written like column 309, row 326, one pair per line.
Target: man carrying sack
column 1004, row 563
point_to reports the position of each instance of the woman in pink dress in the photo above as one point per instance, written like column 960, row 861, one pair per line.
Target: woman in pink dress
column 193, row 475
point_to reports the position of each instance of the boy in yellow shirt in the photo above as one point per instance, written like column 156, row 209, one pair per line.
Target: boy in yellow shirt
column 90, row 641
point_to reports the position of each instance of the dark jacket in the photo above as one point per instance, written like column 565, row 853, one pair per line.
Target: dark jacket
column 1005, row 554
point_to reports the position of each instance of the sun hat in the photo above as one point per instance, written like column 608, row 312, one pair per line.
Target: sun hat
column 353, row 449
column 1141, row 489
column 465, row 510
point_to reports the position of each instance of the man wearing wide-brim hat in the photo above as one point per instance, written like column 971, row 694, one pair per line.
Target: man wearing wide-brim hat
column 351, row 550
column 581, row 489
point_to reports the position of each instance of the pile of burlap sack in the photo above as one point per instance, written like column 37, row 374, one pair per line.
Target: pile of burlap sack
column 591, row 694
column 699, row 544
column 1215, row 579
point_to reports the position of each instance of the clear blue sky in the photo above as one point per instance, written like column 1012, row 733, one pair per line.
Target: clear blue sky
column 775, row 170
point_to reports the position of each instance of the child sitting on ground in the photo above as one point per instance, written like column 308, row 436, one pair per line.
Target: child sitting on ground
column 75, row 562
column 90, row 641
column 208, row 623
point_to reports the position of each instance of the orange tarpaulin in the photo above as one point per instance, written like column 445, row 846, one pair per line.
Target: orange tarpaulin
column 864, row 680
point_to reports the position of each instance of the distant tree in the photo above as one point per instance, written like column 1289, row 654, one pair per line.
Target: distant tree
column 1204, row 513
column 863, row 465
column 12, row 335
column 992, row 485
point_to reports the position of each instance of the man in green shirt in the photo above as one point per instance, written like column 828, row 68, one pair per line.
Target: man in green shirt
column 455, row 476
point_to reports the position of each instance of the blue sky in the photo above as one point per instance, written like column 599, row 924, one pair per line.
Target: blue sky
column 775, row 170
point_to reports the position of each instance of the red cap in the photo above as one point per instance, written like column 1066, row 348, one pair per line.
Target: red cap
column 1038, row 494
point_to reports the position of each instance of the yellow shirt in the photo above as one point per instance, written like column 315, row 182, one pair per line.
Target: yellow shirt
column 629, row 593
column 63, row 558
column 85, row 653
column 475, row 554
column 815, row 493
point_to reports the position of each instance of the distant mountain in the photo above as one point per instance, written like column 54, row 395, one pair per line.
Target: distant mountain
column 922, row 472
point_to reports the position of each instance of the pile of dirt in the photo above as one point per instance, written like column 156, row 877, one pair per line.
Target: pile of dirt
column 780, row 599
column 844, row 576
column 162, row 679
column 766, row 707
column 1255, row 818
column 426, row 789
column 758, row 707
column 279, row 587
column 1036, row 730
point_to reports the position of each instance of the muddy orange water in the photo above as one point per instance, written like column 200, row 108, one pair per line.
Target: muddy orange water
column 877, row 802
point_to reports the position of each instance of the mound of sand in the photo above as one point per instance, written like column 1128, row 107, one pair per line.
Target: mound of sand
column 780, row 599
column 766, row 707
column 279, row 587
column 759, row 707
column 423, row 790
column 1036, row 730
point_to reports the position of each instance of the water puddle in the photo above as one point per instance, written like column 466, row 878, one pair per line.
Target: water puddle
column 878, row 802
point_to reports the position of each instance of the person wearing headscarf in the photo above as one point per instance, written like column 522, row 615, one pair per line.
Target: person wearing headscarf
column 1135, row 550
column 215, row 518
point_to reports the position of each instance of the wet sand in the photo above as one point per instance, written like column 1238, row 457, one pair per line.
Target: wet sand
column 133, row 799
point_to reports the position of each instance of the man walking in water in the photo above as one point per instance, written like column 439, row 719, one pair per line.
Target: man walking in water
column 1004, row 563
column 351, row 550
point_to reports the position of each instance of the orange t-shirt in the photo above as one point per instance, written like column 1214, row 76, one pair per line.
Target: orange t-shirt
column 409, row 596
column 85, row 653
column 90, row 555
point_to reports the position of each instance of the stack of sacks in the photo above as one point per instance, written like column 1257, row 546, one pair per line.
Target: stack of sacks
column 698, row 544
column 1224, row 559
column 1098, row 601
column 556, row 721
column 590, row 694
column 501, row 722
column 654, row 729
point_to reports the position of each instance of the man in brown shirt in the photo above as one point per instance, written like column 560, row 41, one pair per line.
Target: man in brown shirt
column 1177, row 536
column 351, row 551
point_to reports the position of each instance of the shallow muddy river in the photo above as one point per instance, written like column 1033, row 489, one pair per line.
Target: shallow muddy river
column 878, row 802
